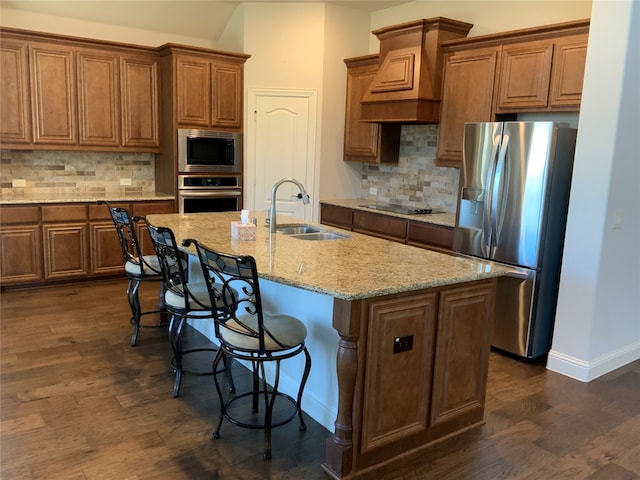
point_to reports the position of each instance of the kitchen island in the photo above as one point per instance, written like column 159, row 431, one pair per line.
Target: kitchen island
column 399, row 336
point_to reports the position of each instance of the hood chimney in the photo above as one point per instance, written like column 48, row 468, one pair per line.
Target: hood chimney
column 406, row 88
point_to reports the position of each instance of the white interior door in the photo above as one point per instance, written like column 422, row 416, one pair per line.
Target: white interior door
column 280, row 143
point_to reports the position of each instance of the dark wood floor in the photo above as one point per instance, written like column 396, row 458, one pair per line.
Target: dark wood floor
column 77, row 402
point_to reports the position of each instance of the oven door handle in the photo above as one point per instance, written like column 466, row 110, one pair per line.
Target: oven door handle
column 209, row 193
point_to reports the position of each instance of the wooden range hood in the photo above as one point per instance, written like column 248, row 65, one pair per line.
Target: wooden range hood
column 407, row 86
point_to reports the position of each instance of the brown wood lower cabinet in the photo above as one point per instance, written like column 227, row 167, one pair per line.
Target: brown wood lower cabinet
column 412, row 369
column 397, row 229
column 435, row 237
column 383, row 226
column 61, row 242
column 65, row 241
column 336, row 216
column 20, row 245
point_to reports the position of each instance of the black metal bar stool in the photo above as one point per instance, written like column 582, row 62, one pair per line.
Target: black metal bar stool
column 138, row 268
column 184, row 301
column 247, row 332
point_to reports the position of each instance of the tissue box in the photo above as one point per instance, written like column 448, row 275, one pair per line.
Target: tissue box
column 243, row 232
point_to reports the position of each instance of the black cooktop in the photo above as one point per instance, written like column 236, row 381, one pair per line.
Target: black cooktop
column 401, row 209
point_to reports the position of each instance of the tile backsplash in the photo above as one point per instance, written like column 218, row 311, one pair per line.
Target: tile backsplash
column 52, row 172
column 415, row 181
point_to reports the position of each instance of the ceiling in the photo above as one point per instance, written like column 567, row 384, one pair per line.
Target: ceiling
column 192, row 18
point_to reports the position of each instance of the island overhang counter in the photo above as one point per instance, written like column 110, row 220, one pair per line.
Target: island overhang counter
column 405, row 362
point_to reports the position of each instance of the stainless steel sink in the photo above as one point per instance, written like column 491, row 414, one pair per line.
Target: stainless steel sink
column 294, row 229
column 320, row 236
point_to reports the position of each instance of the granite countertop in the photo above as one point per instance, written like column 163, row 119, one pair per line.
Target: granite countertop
column 445, row 219
column 82, row 197
column 357, row 267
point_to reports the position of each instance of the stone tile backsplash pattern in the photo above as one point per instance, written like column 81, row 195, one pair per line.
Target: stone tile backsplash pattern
column 52, row 172
column 415, row 181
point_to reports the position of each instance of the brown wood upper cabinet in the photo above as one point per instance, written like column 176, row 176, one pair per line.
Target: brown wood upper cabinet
column 15, row 106
column 209, row 92
column 62, row 93
column 469, row 83
column 365, row 141
column 53, row 94
column 140, row 101
column 98, row 99
column 542, row 75
column 533, row 70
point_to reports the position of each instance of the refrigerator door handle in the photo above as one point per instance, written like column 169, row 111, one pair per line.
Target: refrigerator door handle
column 497, row 207
column 487, row 223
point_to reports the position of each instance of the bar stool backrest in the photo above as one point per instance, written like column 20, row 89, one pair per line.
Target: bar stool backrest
column 232, row 280
column 174, row 265
column 126, row 230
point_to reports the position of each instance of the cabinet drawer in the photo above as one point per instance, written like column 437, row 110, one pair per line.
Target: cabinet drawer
column 101, row 212
column 382, row 226
column 147, row 208
column 20, row 215
column 64, row 213
column 335, row 216
column 428, row 235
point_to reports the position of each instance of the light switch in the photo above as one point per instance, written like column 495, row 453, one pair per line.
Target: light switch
column 618, row 218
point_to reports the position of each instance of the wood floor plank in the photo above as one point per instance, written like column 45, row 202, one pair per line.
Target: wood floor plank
column 78, row 403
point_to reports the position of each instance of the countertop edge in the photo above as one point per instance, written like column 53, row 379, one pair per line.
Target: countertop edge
column 84, row 198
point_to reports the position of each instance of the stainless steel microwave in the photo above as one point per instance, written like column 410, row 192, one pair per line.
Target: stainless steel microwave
column 209, row 151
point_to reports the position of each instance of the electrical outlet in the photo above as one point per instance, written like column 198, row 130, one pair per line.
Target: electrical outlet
column 125, row 182
column 18, row 182
column 373, row 191
column 402, row 344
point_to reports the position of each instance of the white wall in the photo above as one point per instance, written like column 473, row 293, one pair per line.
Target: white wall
column 302, row 46
column 598, row 317
column 100, row 31
column 345, row 36
column 486, row 16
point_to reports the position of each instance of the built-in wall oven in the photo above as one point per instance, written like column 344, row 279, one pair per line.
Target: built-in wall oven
column 202, row 193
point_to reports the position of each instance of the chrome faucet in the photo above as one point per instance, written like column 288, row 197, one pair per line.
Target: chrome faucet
column 274, row 189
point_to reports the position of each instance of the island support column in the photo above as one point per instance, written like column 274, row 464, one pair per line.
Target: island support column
column 339, row 447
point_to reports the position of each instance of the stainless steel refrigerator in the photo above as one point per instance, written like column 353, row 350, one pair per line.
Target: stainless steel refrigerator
column 512, row 209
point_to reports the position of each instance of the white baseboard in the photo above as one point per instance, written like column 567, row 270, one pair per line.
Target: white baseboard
column 587, row 370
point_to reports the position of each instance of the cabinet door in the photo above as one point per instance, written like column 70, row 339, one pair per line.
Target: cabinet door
column 106, row 253
column 397, row 380
column 462, row 358
column 227, row 95
column 524, row 76
column 53, row 94
column 567, row 73
column 15, row 109
column 98, row 102
column 468, row 94
column 20, row 254
column 140, row 112
column 361, row 139
column 66, row 250
column 193, row 82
